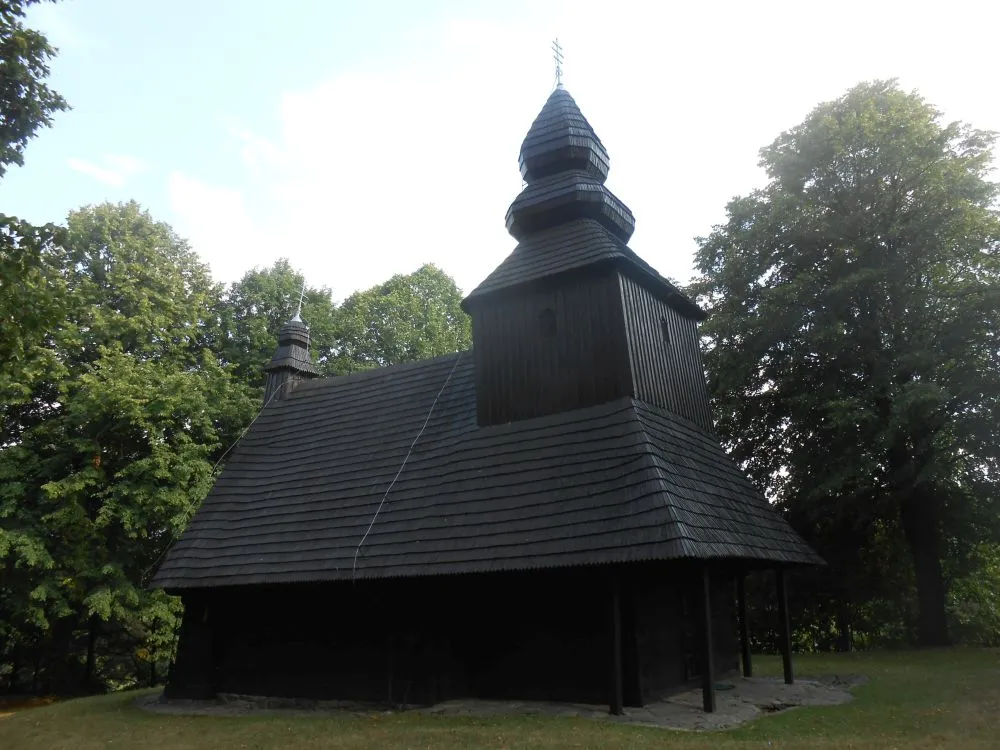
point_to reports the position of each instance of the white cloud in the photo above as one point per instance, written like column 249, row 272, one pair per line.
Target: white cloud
column 217, row 218
column 115, row 172
column 374, row 171
column 371, row 174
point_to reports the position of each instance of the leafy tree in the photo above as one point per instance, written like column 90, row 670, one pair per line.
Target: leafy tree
column 134, row 416
column 32, row 302
column 853, row 342
column 255, row 308
column 31, row 289
column 26, row 101
column 407, row 318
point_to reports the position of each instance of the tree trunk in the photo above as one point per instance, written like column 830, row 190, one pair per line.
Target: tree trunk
column 844, row 641
column 922, row 528
column 88, row 669
column 34, row 674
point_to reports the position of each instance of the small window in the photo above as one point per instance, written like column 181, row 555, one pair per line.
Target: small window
column 547, row 322
column 665, row 330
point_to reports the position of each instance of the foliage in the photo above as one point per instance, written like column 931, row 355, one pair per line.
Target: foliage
column 974, row 599
column 26, row 101
column 921, row 700
column 407, row 318
column 131, row 421
column 32, row 291
column 30, row 287
column 853, row 346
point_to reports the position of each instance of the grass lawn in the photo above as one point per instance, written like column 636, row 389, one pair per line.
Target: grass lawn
column 944, row 698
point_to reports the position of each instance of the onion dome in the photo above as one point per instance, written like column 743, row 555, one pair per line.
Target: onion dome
column 565, row 165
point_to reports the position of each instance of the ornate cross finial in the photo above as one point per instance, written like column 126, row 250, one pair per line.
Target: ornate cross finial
column 557, row 55
column 302, row 294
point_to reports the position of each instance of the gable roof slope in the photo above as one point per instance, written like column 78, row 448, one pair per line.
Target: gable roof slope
column 623, row 481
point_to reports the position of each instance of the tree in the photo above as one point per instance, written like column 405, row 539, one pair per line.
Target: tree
column 26, row 101
column 853, row 343
column 32, row 302
column 30, row 257
column 407, row 318
column 255, row 308
column 132, row 420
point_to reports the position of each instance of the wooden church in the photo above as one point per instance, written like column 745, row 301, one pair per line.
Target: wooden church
column 547, row 516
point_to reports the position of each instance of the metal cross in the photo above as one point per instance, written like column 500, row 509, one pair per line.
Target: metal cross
column 557, row 55
column 302, row 294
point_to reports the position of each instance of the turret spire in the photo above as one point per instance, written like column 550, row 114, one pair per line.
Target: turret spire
column 291, row 361
column 298, row 312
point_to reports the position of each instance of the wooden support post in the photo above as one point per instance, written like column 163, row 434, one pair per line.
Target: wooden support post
column 708, row 648
column 617, row 698
column 391, row 654
column 786, row 628
column 741, row 606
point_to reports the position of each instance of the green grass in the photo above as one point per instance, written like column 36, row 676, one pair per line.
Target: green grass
column 945, row 698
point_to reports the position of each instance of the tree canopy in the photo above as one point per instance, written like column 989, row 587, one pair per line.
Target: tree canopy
column 407, row 318
column 26, row 101
column 853, row 341
column 117, row 449
column 30, row 286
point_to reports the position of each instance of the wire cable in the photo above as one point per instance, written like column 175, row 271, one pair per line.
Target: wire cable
column 406, row 458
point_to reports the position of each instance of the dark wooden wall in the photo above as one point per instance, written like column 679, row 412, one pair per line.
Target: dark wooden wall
column 667, row 370
column 536, row 635
column 550, row 350
column 668, row 631
column 585, row 341
column 530, row 636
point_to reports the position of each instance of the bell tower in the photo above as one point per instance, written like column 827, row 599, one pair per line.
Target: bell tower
column 572, row 317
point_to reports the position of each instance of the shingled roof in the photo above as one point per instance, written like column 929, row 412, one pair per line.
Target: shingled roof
column 619, row 482
column 570, row 247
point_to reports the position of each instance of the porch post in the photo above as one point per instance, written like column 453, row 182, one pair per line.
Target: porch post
column 617, row 698
column 708, row 649
column 741, row 605
column 786, row 628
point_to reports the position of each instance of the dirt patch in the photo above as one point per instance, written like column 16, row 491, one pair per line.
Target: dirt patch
column 10, row 705
column 748, row 699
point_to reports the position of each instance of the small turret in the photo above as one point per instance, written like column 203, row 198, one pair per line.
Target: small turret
column 291, row 361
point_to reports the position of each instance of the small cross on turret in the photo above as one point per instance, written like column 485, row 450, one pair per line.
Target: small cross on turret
column 302, row 294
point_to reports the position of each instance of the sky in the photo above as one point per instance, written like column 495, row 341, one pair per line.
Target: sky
column 364, row 139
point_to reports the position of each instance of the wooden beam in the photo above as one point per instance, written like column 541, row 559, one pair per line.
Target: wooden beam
column 786, row 628
column 617, row 697
column 741, row 606
column 708, row 648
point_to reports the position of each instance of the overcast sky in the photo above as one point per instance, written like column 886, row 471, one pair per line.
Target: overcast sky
column 362, row 139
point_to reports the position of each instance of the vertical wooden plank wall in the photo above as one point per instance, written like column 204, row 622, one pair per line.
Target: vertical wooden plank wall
column 667, row 369
column 526, row 369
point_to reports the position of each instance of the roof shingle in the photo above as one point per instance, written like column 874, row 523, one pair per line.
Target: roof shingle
column 619, row 482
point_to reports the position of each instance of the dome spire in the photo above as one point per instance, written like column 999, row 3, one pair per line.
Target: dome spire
column 291, row 361
column 565, row 165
